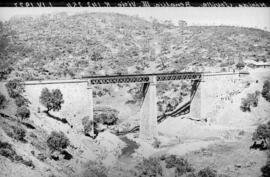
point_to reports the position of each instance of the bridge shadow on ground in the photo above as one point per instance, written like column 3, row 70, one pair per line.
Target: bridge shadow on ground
column 67, row 155
column 63, row 120
column 130, row 148
column 29, row 125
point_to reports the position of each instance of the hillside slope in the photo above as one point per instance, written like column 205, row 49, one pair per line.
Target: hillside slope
column 62, row 46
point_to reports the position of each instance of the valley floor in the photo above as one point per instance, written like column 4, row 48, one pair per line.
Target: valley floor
column 222, row 144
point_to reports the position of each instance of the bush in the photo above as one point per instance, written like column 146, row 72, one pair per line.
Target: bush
column 266, row 90
column 41, row 157
column 107, row 119
column 5, row 145
column 15, row 132
column 207, row 172
column 156, row 143
column 266, row 169
column 262, row 132
column 21, row 101
column 136, row 93
column 96, row 56
column 18, row 133
column 245, row 105
column 3, row 101
column 240, row 65
column 170, row 161
column 23, row 112
column 181, row 165
column 95, row 169
column 7, row 151
column 15, row 88
column 57, row 141
column 87, row 125
column 51, row 100
column 251, row 100
column 105, row 115
column 149, row 167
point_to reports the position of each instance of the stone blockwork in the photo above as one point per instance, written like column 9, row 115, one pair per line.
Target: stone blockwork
column 196, row 106
column 148, row 113
column 212, row 93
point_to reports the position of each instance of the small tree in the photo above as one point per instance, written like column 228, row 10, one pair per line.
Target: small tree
column 15, row 88
column 105, row 115
column 15, row 131
column 266, row 169
column 87, row 125
column 23, row 112
column 21, row 101
column 251, row 100
column 262, row 132
column 207, row 172
column 19, row 133
column 57, row 141
column 51, row 100
column 149, row 167
column 240, row 65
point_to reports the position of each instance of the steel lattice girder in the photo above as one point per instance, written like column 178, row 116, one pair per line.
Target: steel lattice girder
column 144, row 79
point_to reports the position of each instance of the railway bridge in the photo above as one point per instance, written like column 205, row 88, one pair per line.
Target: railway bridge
column 148, row 111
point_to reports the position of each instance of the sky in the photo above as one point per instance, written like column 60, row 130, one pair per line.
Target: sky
column 256, row 17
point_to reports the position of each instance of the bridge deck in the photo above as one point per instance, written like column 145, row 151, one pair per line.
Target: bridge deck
column 137, row 78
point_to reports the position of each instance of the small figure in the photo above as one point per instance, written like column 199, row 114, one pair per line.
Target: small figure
column 254, row 145
column 261, row 146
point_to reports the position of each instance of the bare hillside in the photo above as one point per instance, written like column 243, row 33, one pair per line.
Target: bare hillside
column 63, row 46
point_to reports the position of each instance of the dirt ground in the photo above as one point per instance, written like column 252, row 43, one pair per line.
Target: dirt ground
column 231, row 158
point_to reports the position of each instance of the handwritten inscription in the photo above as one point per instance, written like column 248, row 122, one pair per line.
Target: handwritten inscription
column 136, row 4
column 33, row 4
